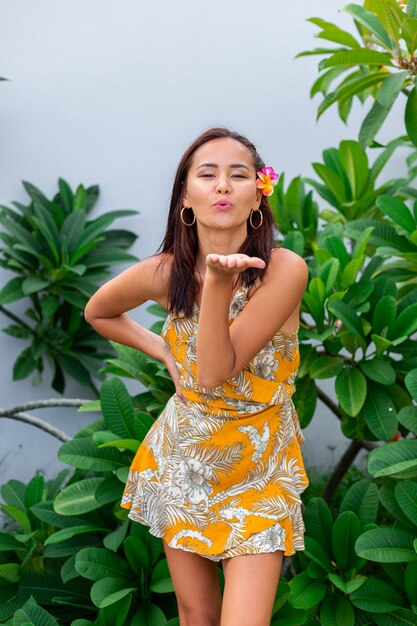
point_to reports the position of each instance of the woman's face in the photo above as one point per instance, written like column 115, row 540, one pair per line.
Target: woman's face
column 221, row 184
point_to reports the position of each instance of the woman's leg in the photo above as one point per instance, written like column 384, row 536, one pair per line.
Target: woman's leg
column 251, row 583
column 197, row 587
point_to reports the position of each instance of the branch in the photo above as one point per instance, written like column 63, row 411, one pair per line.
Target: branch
column 16, row 413
column 15, row 318
column 38, row 423
column 40, row 404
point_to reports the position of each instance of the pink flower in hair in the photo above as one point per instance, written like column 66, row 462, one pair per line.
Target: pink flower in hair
column 267, row 180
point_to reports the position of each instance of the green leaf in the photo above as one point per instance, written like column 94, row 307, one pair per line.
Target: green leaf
column 347, row 315
column 386, row 545
column 161, row 581
column 137, row 554
column 397, row 211
column 411, row 115
column 78, row 497
column 411, row 383
column 326, row 367
column 35, row 491
column 82, row 453
column 406, row 495
column 356, row 57
column 406, row 323
column 362, row 499
column 397, row 459
column 20, row 517
column 371, row 23
column 384, row 314
column 34, row 284
column 117, row 408
column 346, row 531
column 355, row 163
column 152, row 615
column 12, row 291
column 98, row 563
column 379, row 370
column 67, row 533
column 305, row 592
column 351, row 390
column 379, row 412
column 10, row 572
column 33, row 614
column 375, row 596
column 336, row 610
column 109, row 590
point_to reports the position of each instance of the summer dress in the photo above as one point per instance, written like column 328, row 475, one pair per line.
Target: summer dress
column 222, row 474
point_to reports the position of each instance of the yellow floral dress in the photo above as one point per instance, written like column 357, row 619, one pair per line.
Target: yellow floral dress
column 221, row 475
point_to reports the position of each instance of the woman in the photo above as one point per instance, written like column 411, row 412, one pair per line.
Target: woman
column 220, row 473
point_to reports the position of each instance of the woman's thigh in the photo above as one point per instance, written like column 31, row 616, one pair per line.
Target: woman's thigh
column 251, row 583
column 197, row 586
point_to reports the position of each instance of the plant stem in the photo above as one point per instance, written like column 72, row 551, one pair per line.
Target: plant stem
column 343, row 466
column 38, row 423
column 15, row 318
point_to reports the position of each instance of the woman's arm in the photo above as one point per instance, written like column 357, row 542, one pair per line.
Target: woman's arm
column 223, row 350
column 106, row 311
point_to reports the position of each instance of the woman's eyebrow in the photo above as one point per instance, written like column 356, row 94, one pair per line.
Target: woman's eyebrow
column 235, row 165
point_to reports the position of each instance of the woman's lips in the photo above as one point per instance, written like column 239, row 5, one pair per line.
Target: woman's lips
column 223, row 204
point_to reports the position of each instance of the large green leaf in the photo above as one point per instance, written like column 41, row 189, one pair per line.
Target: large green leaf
column 362, row 499
column 82, row 453
column 78, row 497
column 305, row 592
column 406, row 495
column 371, row 23
column 411, row 115
column 386, row 545
column 336, row 610
column 117, row 408
column 376, row 596
column 350, row 386
column 161, row 581
column 97, row 563
column 398, row 459
column 379, row 412
column 356, row 57
column 397, row 211
column 31, row 613
column 109, row 590
column 12, row 291
column 346, row 530
column 379, row 370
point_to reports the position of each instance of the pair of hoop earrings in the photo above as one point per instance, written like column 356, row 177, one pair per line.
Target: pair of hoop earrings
column 250, row 218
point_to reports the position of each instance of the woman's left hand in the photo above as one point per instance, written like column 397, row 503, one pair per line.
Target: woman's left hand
column 231, row 263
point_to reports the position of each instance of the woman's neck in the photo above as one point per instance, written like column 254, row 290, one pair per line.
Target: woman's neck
column 218, row 242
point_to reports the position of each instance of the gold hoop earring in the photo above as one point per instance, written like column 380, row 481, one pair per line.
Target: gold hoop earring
column 182, row 219
column 250, row 218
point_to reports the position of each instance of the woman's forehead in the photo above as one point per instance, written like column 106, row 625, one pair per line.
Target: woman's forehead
column 223, row 151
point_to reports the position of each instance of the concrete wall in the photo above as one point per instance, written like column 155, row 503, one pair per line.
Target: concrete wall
column 112, row 93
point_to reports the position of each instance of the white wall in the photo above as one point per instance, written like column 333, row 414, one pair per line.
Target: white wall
column 112, row 92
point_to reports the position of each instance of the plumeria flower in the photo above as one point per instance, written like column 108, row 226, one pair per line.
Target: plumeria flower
column 267, row 180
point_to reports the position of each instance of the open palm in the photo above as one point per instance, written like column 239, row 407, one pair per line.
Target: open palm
column 232, row 263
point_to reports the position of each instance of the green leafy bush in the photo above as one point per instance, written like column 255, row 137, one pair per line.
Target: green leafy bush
column 59, row 256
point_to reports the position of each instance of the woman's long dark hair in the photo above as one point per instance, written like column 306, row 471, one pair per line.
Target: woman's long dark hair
column 182, row 242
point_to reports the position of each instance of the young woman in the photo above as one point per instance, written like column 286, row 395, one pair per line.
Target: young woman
column 219, row 475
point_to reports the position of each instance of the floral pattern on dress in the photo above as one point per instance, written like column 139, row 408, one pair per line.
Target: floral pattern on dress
column 222, row 474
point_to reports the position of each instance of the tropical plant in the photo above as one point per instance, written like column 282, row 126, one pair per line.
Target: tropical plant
column 382, row 63
column 59, row 256
column 71, row 548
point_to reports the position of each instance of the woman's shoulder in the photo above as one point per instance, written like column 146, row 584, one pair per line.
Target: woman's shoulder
column 284, row 259
column 152, row 274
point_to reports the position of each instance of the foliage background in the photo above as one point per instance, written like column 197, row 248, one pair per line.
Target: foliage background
column 87, row 99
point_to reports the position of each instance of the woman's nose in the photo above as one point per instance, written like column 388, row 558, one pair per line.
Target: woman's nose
column 223, row 185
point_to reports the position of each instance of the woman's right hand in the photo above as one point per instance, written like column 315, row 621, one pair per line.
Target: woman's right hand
column 173, row 371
